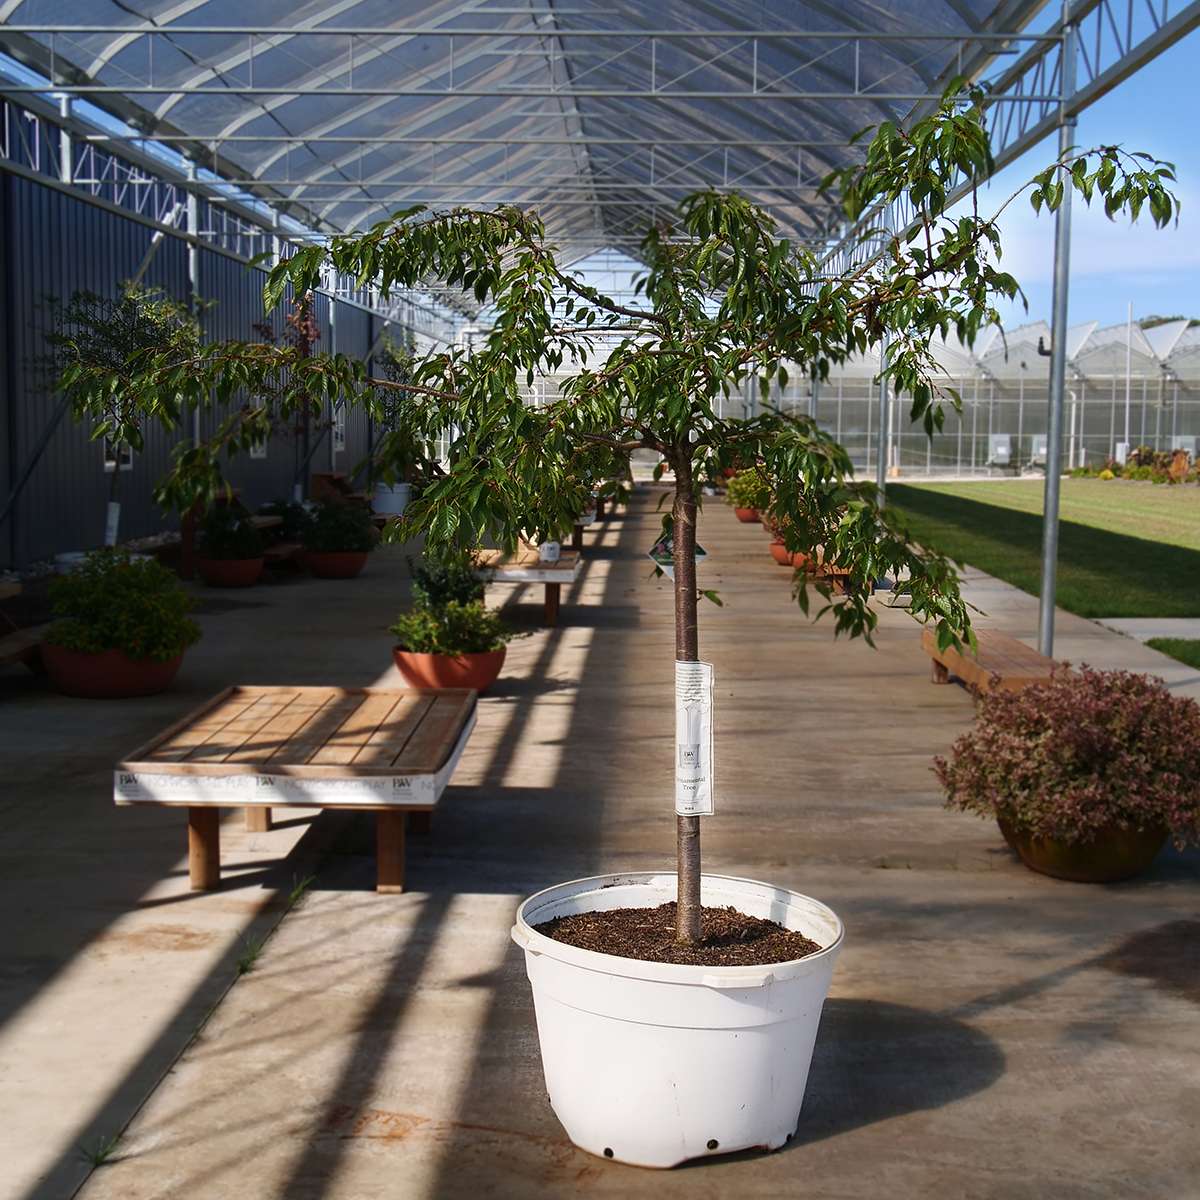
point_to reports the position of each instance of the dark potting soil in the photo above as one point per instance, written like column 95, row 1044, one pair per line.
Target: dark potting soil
column 728, row 938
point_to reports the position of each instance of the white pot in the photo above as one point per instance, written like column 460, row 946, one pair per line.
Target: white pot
column 392, row 501
column 655, row 1063
column 549, row 552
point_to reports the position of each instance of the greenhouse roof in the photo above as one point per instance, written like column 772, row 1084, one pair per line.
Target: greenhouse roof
column 600, row 115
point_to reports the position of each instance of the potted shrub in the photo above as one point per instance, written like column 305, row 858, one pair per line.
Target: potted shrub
column 231, row 548
column 337, row 540
column 122, row 627
column 456, row 644
column 749, row 493
column 686, row 1031
column 439, row 579
column 1087, row 775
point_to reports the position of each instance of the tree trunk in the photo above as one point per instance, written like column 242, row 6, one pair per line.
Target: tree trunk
column 687, row 649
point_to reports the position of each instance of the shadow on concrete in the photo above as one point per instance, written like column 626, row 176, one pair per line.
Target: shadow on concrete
column 875, row 1060
column 1167, row 957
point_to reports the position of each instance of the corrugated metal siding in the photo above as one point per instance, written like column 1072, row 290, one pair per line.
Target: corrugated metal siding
column 56, row 244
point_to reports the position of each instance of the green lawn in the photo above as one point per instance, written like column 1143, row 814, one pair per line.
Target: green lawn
column 1187, row 650
column 1125, row 549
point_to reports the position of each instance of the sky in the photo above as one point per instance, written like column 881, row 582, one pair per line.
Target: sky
column 1114, row 263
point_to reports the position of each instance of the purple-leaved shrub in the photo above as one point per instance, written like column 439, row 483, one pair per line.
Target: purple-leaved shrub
column 1085, row 750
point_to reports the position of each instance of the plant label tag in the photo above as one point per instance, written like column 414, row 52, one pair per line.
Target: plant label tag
column 662, row 553
column 694, row 788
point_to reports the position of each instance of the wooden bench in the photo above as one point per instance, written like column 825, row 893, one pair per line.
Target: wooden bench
column 1015, row 664
column 282, row 552
column 334, row 487
column 526, row 567
column 21, row 645
column 385, row 750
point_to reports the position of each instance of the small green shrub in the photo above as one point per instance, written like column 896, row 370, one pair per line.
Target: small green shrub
column 296, row 519
column 1106, row 474
column 440, row 581
column 749, row 489
column 340, row 529
column 115, row 602
column 226, row 534
column 452, row 628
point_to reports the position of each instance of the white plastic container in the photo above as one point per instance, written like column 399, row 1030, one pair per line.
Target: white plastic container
column 549, row 552
column 655, row 1063
column 392, row 501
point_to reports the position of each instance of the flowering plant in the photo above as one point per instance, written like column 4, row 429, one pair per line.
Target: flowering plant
column 1085, row 750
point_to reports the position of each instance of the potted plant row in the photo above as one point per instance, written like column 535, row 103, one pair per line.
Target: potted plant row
column 1086, row 775
column 122, row 627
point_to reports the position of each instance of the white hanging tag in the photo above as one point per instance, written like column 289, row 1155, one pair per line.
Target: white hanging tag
column 694, row 786
column 112, row 523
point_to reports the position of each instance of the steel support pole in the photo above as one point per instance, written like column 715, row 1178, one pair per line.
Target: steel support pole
column 193, row 270
column 1058, row 358
column 66, row 171
column 881, row 464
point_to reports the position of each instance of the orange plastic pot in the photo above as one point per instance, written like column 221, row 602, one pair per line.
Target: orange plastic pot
column 230, row 572
column 1113, row 854
column 109, row 675
column 747, row 516
column 478, row 671
column 335, row 564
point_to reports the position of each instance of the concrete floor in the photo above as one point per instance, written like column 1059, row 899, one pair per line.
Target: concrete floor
column 990, row 1032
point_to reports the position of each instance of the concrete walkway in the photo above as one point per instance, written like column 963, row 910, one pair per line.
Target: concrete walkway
column 991, row 1033
column 1145, row 628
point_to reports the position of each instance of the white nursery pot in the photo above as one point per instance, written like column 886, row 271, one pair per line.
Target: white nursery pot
column 392, row 501
column 655, row 1063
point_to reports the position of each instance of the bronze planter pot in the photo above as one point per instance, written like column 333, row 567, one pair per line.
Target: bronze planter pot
column 1113, row 855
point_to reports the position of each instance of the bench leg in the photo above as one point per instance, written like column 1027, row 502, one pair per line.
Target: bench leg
column 389, row 851
column 420, row 822
column 204, row 848
column 258, row 820
column 599, row 510
column 553, row 595
column 941, row 672
column 577, row 538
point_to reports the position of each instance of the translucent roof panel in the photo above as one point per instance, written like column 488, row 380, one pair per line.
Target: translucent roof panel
column 601, row 115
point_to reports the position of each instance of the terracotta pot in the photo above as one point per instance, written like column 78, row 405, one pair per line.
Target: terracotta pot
column 109, row 675
column 478, row 671
column 1114, row 854
column 746, row 515
column 781, row 554
column 230, row 572
column 335, row 564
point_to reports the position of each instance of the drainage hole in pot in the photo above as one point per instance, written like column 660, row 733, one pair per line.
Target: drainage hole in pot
column 713, row 1143
column 608, row 1152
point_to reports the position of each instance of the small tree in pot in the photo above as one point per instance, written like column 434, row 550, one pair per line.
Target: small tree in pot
column 749, row 494
column 724, row 301
column 94, row 334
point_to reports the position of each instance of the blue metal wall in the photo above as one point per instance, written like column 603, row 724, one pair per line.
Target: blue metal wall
column 55, row 244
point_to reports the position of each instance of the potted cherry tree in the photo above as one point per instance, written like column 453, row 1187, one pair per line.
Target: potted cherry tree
column 688, row 1030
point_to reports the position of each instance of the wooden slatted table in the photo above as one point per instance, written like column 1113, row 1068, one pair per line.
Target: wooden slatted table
column 390, row 751
column 1016, row 664
column 526, row 567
